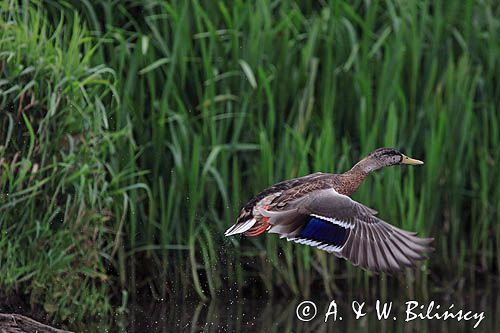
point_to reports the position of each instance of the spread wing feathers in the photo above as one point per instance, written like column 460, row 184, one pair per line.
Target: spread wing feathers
column 378, row 246
column 335, row 223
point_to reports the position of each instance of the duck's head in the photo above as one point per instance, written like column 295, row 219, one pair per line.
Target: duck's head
column 382, row 157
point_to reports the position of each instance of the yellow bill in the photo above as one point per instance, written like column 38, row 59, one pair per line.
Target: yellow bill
column 411, row 161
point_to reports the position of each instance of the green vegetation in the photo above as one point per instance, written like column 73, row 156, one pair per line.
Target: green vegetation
column 61, row 196
column 131, row 132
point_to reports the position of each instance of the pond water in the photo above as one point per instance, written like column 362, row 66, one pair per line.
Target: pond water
column 479, row 309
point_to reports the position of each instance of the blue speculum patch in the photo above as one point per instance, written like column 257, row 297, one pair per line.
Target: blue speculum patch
column 325, row 232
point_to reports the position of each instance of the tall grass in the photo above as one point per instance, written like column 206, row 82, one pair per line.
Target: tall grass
column 219, row 100
column 61, row 197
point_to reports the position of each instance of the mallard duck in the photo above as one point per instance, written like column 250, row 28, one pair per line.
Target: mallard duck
column 316, row 210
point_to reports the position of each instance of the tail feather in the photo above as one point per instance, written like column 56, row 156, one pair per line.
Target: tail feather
column 259, row 227
column 239, row 228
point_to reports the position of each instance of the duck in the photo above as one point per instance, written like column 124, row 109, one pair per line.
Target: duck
column 316, row 210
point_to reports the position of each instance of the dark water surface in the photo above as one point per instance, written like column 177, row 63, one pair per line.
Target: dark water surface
column 251, row 315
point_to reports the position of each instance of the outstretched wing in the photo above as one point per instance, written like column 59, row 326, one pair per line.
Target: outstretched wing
column 335, row 223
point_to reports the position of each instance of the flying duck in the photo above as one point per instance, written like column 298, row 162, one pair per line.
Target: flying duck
column 316, row 210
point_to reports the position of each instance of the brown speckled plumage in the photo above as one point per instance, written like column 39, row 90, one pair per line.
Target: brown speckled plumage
column 316, row 210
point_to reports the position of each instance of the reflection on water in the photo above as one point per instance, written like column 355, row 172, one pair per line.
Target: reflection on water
column 249, row 315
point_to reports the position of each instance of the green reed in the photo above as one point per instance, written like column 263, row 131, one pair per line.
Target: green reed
column 212, row 102
column 61, row 197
